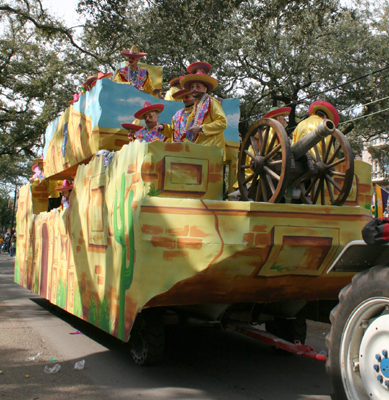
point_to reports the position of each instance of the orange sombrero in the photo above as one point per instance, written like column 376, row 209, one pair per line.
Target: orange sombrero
column 208, row 81
column 326, row 107
column 65, row 186
column 205, row 66
column 147, row 107
column 180, row 94
column 133, row 52
column 277, row 112
column 135, row 125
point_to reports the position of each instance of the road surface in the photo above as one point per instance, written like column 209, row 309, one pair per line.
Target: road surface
column 198, row 364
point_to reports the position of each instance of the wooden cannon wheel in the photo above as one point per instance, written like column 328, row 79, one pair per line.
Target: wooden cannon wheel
column 336, row 152
column 264, row 164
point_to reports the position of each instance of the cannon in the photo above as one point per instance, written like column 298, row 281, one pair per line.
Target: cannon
column 269, row 165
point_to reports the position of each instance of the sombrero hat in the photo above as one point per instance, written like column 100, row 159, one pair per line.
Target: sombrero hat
column 326, row 107
column 133, row 52
column 180, row 94
column 147, row 107
column 35, row 168
column 76, row 97
column 277, row 112
column 175, row 81
column 205, row 66
column 135, row 125
column 207, row 80
column 91, row 80
column 65, row 186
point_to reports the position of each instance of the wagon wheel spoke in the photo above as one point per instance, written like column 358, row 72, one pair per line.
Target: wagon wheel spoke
column 254, row 145
column 271, row 185
column 311, row 186
column 331, row 193
column 265, row 139
column 272, row 173
column 273, row 152
column 338, row 147
column 336, row 173
column 271, row 163
column 317, row 153
column 260, row 138
column 272, row 142
column 248, row 179
column 323, row 197
column 253, row 184
column 245, row 166
column 249, row 154
column 264, row 194
column 316, row 193
column 328, row 148
column 337, row 162
column 259, row 191
column 338, row 188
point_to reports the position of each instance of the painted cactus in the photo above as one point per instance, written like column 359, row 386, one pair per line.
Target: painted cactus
column 126, row 273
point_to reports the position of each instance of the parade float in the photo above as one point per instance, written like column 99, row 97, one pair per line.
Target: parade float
column 150, row 239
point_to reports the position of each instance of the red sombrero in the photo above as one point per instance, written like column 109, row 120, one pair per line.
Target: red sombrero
column 133, row 52
column 91, row 80
column 207, row 80
column 277, row 112
column 205, row 66
column 180, row 94
column 65, row 186
column 147, row 107
column 38, row 161
column 175, row 81
column 326, row 107
column 135, row 125
column 35, row 168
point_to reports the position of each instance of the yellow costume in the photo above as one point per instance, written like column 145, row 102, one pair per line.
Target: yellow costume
column 177, row 130
column 137, row 77
column 213, row 122
column 306, row 126
column 170, row 92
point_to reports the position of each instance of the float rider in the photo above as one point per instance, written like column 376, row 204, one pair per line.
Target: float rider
column 177, row 130
column 152, row 131
column 207, row 122
column 174, row 88
column 134, row 75
column 132, row 129
column 65, row 189
column 318, row 111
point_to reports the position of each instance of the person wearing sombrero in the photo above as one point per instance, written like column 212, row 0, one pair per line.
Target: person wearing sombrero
column 176, row 132
column 318, row 111
column 207, row 122
column 134, row 75
column 38, row 171
column 132, row 129
column 174, row 88
column 199, row 66
column 65, row 189
column 152, row 132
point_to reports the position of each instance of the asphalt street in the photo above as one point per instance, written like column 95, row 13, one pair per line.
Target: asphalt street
column 198, row 364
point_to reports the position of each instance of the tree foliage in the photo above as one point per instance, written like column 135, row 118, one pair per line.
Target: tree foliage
column 266, row 52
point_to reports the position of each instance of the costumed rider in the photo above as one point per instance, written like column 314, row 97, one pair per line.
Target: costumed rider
column 132, row 129
column 152, row 131
column 66, row 189
column 174, row 88
column 176, row 132
column 318, row 111
column 38, row 171
column 134, row 75
column 200, row 66
column 207, row 122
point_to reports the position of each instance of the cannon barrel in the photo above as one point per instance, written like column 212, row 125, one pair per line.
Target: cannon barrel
column 324, row 129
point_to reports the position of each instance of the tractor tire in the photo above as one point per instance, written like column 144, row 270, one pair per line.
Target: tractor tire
column 148, row 339
column 357, row 342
